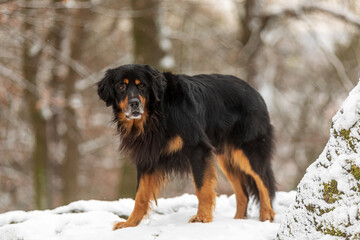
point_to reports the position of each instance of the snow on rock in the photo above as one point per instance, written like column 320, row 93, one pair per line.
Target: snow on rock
column 327, row 202
column 93, row 220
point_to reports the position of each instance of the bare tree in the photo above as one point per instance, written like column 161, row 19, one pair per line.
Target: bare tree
column 147, row 50
column 31, row 54
column 79, row 34
column 146, row 31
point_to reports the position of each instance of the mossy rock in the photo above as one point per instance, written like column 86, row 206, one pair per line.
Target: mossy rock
column 334, row 232
column 331, row 192
column 324, row 209
column 355, row 171
column 345, row 134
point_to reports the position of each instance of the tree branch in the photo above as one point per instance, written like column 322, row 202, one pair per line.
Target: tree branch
column 334, row 61
column 298, row 11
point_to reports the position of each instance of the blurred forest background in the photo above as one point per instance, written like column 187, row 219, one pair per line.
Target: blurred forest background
column 57, row 143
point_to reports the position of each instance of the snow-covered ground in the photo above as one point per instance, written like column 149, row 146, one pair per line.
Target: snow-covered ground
column 87, row 220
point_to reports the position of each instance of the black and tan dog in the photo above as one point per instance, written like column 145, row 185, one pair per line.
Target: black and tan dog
column 174, row 123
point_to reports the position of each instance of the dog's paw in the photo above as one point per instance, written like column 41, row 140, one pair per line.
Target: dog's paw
column 119, row 225
column 267, row 214
column 200, row 218
column 240, row 215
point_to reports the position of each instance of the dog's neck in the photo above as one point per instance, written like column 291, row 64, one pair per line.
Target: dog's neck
column 142, row 141
column 134, row 126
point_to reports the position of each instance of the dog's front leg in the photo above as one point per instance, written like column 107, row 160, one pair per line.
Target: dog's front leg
column 204, row 173
column 149, row 186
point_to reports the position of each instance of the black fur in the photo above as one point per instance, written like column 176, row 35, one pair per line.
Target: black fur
column 209, row 112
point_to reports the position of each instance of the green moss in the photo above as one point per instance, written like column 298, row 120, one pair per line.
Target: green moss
column 310, row 208
column 330, row 230
column 357, row 236
column 318, row 211
column 288, row 226
column 328, row 156
column 345, row 134
column 318, row 226
column 334, row 232
column 355, row 171
column 326, row 210
column 331, row 192
column 337, row 152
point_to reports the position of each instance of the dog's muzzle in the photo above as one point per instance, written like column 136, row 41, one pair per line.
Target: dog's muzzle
column 134, row 109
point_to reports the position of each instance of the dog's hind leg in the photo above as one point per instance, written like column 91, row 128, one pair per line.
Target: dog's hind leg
column 149, row 186
column 235, row 177
column 205, row 179
column 240, row 160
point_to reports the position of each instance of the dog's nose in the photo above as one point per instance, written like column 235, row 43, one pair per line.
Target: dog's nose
column 134, row 103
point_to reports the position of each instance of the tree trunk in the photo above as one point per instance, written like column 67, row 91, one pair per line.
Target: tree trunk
column 127, row 181
column 40, row 158
column 146, row 50
column 55, row 38
column 30, row 65
column 250, row 26
column 146, row 33
column 78, row 36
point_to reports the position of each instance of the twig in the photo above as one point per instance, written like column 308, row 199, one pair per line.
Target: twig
column 298, row 11
column 24, row 83
column 333, row 60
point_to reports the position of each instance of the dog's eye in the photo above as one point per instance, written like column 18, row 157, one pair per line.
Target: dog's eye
column 141, row 86
column 122, row 87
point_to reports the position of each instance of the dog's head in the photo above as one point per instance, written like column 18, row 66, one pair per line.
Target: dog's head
column 131, row 89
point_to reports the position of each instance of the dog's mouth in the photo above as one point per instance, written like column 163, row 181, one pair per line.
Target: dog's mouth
column 134, row 114
column 133, row 110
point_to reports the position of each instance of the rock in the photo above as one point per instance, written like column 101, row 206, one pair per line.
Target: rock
column 327, row 204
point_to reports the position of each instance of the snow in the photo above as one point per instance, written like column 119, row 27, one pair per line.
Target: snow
column 351, row 107
column 94, row 219
column 328, row 197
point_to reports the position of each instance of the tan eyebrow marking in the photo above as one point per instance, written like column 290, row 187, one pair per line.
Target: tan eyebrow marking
column 126, row 81
column 137, row 82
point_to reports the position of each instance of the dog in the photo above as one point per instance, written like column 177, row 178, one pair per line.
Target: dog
column 178, row 124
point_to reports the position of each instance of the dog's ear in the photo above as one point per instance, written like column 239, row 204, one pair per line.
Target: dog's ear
column 157, row 82
column 106, row 88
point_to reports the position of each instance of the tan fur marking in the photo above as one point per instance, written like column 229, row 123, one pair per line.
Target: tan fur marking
column 240, row 160
column 126, row 124
column 235, row 181
column 143, row 100
column 137, row 82
column 206, row 196
column 123, row 104
column 149, row 188
column 173, row 145
column 126, row 81
column 139, row 123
